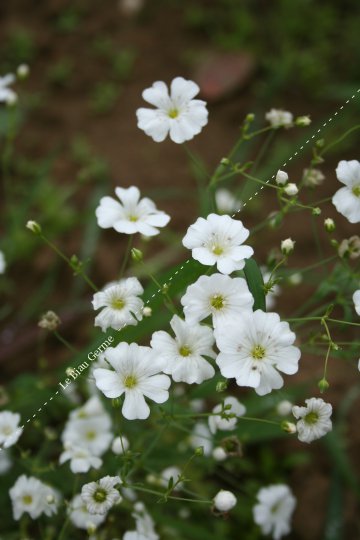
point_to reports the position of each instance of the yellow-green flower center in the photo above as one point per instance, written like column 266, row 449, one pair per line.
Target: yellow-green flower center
column 356, row 190
column 90, row 435
column 173, row 113
column 185, row 350
column 100, row 495
column 133, row 218
column 117, row 303
column 258, row 352
column 217, row 301
column 311, row 418
column 27, row 499
column 217, row 250
column 7, row 430
column 130, row 381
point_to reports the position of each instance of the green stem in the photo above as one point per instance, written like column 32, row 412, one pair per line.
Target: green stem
column 64, row 342
column 126, row 256
column 341, row 138
column 163, row 494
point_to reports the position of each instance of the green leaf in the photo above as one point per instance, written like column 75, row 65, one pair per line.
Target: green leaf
column 255, row 283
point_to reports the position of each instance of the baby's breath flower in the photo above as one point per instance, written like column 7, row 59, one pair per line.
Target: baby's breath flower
column 313, row 420
column 281, row 177
column 274, row 509
column 313, row 177
column 279, row 118
column 100, row 496
column 224, row 501
column 291, row 189
column 347, row 199
column 22, row 71
column 356, row 300
column 287, row 246
column 329, row 225
column 284, row 408
column 350, row 247
column 49, row 321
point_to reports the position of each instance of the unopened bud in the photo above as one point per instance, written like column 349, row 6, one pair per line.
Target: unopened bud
column 316, row 211
column 225, row 161
column 281, row 177
column 291, row 189
column 303, row 121
column 221, row 386
column 320, row 143
column 199, row 451
column 34, row 227
column 219, row 453
column 137, row 255
column 49, row 321
column 23, row 71
column 289, row 427
column 329, row 225
column 250, row 117
column 323, row 385
column 287, row 246
column 147, row 311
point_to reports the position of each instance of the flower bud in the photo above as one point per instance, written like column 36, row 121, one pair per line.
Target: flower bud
column 224, row 501
column 199, row 451
column 250, row 117
column 295, row 279
column 49, row 321
column 219, row 453
column 329, row 225
column 34, row 227
column 303, row 121
column 284, row 408
column 120, row 445
column 289, row 427
column 323, row 385
column 281, row 177
column 221, row 386
column 147, row 311
column 316, row 211
column 22, row 71
column 225, row 161
column 137, row 255
column 287, row 246
column 291, row 189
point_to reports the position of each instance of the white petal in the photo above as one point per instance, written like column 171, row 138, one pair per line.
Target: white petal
column 135, row 406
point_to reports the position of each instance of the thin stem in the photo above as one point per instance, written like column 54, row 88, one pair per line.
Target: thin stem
column 64, row 342
column 162, row 494
column 341, row 138
column 206, row 415
column 126, row 256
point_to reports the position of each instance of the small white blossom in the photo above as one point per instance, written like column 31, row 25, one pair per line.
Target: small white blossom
column 100, row 496
column 120, row 445
column 287, row 246
column 226, row 202
column 2, row 263
column 91, row 409
column 81, row 460
column 279, row 118
column 130, row 215
column 80, row 516
column 183, row 355
column 9, row 428
column 274, row 510
column 347, row 199
column 281, row 177
column 356, row 300
column 218, row 295
column 303, row 121
column 219, row 453
column 145, row 529
column 201, row 436
column 23, row 71
column 120, row 303
column 224, row 500
column 350, row 247
column 291, row 189
column 136, row 373
column 284, row 408
column 219, row 240
column 92, row 434
column 231, row 406
column 313, row 177
column 30, row 495
column 177, row 115
column 7, row 95
column 329, row 225
column 255, row 348
column 313, row 420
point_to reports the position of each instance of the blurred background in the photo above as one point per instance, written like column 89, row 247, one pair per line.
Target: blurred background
column 72, row 138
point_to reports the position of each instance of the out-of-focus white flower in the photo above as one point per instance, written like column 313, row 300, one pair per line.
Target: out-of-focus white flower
column 9, row 428
column 23, row 71
column 136, row 373
column 224, row 500
column 255, row 348
column 168, row 473
column 287, row 246
column 147, row 311
column 284, row 407
column 100, row 496
column 303, row 121
column 329, row 225
column 183, row 355
column 281, row 177
column 356, row 300
column 231, row 406
column 313, row 420
column 197, row 404
column 120, row 303
column 177, row 115
column 91, row 409
column 131, row 215
column 120, row 445
column 201, row 436
column 291, row 189
column 49, row 321
column 350, row 247
column 273, row 512
column 91, row 433
column 219, row 453
column 81, row 460
column 279, row 118
column 2, row 263
column 145, row 528
column 313, row 177
column 218, row 295
column 5, row 461
column 29, row 495
column 347, row 199
column 7, row 95
column 80, row 516
column 226, row 203
column 219, row 240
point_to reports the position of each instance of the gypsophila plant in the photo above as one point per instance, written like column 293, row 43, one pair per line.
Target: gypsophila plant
column 163, row 425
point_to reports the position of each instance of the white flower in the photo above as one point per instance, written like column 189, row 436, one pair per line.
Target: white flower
column 30, row 495
column 347, row 199
column 137, row 374
column 2, row 263
column 313, row 177
column 284, row 407
column 91, row 433
column 81, row 460
column 356, row 300
column 314, row 419
column 291, row 189
column 178, row 115
column 80, row 516
column 120, row 303
column 183, row 355
column 281, row 177
column 279, row 118
column 221, row 296
column 144, row 526
column 5, row 461
column 93, row 407
column 100, row 496
column 218, row 240
column 224, row 500
column 254, row 348
column 287, row 246
column 120, row 445
column 7, row 95
column 9, row 428
column 130, row 215
column 226, row 203
column 276, row 504
column 231, row 406
column 219, row 454
column 201, row 436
